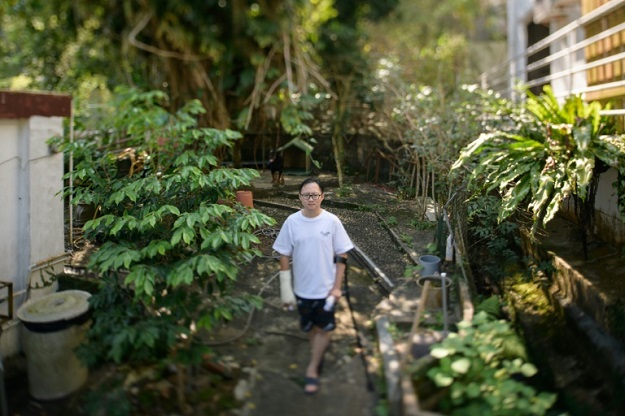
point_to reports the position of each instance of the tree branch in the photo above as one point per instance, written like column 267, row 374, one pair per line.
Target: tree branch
column 132, row 38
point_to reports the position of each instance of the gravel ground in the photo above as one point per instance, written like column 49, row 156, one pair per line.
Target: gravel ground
column 379, row 224
column 366, row 229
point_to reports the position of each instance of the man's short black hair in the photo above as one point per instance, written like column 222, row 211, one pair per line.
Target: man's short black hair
column 311, row 180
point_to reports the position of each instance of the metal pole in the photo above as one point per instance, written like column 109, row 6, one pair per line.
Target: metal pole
column 71, row 179
column 444, row 288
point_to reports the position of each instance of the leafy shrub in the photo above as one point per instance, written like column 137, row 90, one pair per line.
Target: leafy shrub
column 492, row 243
column 481, row 371
column 168, row 250
column 421, row 225
column 391, row 221
column 544, row 155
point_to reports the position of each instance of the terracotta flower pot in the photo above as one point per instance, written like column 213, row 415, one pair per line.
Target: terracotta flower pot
column 245, row 198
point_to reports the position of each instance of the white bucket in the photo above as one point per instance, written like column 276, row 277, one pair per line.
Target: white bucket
column 53, row 326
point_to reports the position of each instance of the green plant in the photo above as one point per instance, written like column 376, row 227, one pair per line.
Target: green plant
column 406, row 238
column 344, row 191
column 380, row 209
column 485, row 229
column 541, row 270
column 365, row 208
column 395, row 331
column 410, row 271
column 431, row 248
column 382, row 408
column 544, row 158
column 491, row 306
column 168, row 251
column 421, row 225
column 432, row 126
column 479, row 371
column 433, row 320
column 391, row 221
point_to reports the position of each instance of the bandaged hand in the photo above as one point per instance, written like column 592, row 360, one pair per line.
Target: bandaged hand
column 286, row 288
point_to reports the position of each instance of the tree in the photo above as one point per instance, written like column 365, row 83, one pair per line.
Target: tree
column 429, row 41
column 247, row 62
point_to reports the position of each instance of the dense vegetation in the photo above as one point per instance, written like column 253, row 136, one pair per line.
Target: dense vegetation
column 275, row 68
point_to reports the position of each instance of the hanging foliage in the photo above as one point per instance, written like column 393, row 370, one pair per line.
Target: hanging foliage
column 535, row 163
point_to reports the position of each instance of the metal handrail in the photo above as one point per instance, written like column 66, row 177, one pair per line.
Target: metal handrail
column 596, row 14
column 574, row 48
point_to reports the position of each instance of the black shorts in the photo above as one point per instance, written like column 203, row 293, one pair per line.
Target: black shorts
column 311, row 314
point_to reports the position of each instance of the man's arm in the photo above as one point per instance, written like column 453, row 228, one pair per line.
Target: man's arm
column 341, row 265
column 286, row 286
column 285, row 262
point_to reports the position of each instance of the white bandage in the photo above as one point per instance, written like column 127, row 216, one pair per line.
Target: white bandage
column 286, row 288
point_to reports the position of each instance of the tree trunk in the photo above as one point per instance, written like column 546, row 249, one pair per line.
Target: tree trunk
column 337, row 147
column 338, row 143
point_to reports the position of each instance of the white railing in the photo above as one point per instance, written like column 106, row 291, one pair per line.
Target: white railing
column 566, row 66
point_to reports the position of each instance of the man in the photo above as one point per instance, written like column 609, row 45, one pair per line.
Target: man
column 317, row 243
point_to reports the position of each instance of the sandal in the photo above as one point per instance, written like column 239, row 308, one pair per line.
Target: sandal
column 311, row 382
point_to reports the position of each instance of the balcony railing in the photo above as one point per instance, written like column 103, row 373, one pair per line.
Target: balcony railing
column 588, row 59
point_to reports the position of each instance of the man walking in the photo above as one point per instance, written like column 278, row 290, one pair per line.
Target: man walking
column 317, row 243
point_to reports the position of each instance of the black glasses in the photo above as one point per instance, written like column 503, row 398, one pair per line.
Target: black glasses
column 309, row 196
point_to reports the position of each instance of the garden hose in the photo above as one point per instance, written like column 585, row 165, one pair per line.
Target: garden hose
column 249, row 319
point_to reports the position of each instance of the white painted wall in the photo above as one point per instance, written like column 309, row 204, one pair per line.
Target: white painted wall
column 607, row 217
column 31, row 225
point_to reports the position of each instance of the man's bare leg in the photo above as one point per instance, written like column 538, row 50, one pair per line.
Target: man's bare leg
column 319, row 341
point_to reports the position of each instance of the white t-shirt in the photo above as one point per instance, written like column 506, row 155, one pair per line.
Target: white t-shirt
column 312, row 243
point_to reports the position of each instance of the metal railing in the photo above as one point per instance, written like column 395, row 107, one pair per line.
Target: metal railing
column 569, row 71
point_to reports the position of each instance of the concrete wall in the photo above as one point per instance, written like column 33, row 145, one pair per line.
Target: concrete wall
column 32, row 236
column 608, row 223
